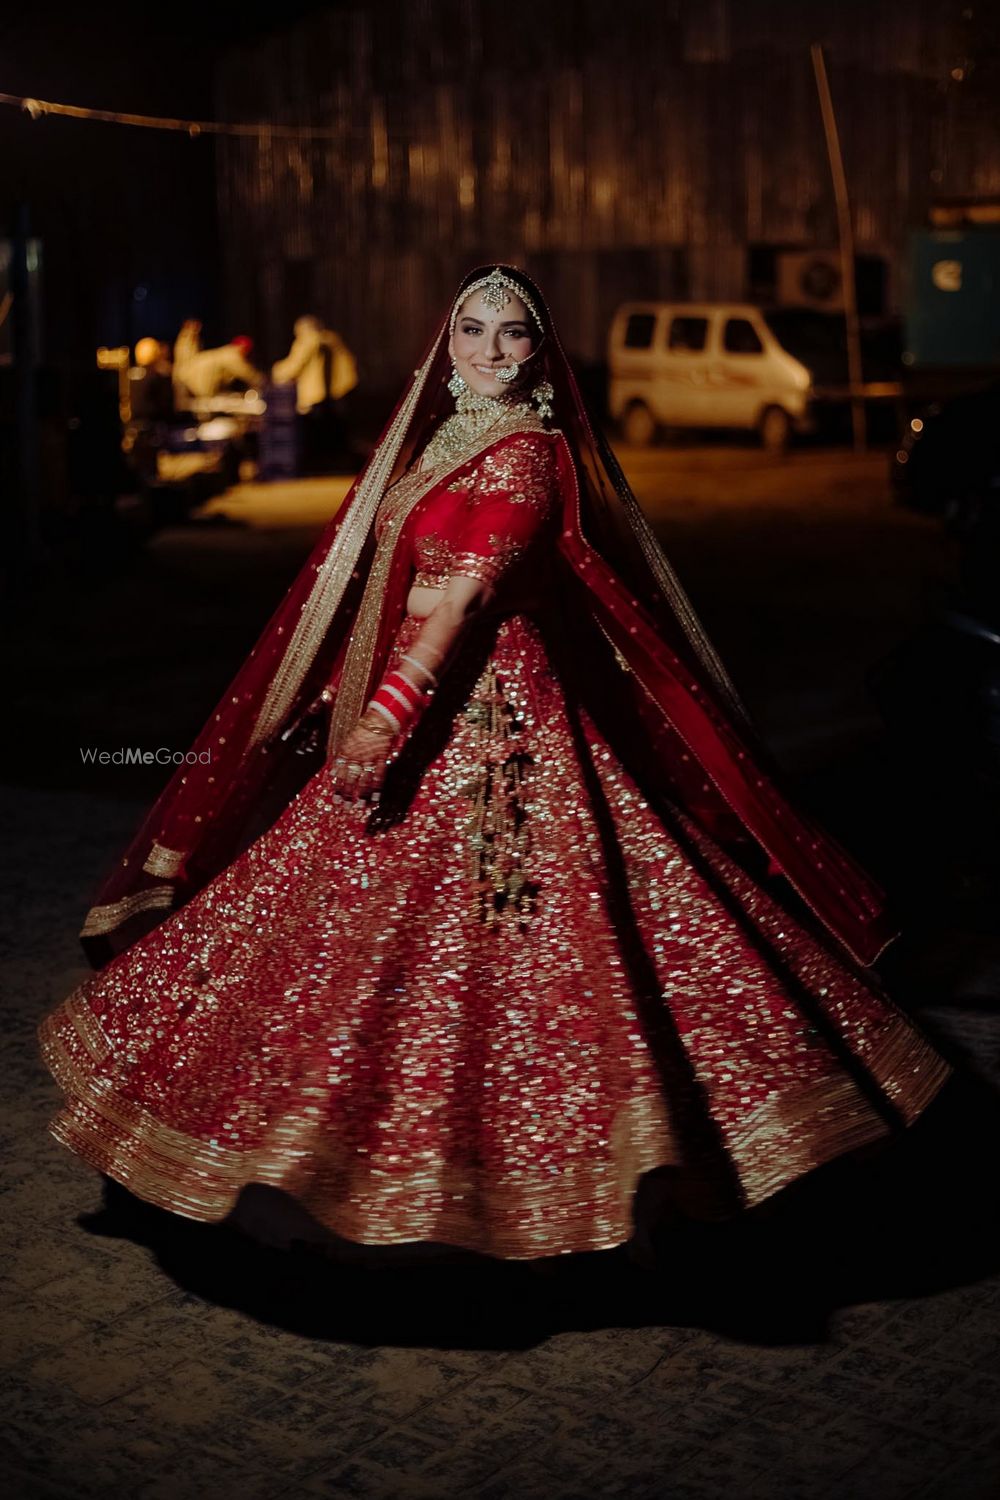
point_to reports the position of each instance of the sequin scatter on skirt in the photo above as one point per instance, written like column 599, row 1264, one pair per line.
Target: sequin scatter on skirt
column 335, row 1016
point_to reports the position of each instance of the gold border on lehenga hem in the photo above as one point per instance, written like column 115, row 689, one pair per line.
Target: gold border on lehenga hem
column 203, row 1181
column 785, row 1137
column 782, row 1139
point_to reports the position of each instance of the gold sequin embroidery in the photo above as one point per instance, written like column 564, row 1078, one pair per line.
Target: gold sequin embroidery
column 332, row 1016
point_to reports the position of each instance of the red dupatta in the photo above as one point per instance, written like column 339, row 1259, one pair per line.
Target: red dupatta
column 723, row 774
column 335, row 624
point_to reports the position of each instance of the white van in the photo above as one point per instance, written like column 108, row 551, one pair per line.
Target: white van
column 703, row 364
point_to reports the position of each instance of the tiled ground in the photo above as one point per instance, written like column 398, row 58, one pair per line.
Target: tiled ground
column 850, row 1349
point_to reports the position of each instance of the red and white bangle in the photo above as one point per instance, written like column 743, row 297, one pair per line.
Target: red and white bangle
column 398, row 700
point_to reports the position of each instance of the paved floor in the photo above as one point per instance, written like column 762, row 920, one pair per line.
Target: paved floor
column 847, row 1345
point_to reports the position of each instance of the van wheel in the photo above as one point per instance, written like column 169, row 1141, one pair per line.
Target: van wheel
column 775, row 429
column 638, row 425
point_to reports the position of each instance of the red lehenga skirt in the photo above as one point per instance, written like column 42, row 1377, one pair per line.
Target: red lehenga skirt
column 479, row 1015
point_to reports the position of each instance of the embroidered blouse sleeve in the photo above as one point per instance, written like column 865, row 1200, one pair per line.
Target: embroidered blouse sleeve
column 514, row 492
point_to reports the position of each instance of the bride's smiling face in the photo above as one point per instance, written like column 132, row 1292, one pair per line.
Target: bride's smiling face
column 485, row 340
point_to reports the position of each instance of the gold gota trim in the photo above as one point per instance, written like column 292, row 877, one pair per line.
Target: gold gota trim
column 72, row 1128
column 202, row 1181
column 570, row 1223
column 670, row 584
column 335, row 570
column 163, row 861
column 86, row 1025
column 906, row 1067
column 65, row 1069
column 102, row 919
column 360, row 655
column 785, row 1137
column 172, row 1145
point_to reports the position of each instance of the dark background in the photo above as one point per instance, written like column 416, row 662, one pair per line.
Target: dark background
column 845, row 1349
column 119, row 209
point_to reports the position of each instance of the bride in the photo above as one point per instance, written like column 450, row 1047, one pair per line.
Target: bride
column 478, row 905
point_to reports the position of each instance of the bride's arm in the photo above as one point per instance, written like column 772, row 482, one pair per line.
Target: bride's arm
column 430, row 650
column 440, row 632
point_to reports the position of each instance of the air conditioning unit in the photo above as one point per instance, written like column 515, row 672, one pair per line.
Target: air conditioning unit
column 809, row 278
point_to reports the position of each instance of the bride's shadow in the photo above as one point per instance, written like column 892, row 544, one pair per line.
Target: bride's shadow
column 912, row 1219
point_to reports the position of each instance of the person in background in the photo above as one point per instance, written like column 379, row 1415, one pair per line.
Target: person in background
column 210, row 371
column 324, row 371
column 150, row 381
column 320, row 364
column 151, row 398
column 187, row 343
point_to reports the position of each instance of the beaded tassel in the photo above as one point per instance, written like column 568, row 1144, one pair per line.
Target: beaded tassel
column 498, row 834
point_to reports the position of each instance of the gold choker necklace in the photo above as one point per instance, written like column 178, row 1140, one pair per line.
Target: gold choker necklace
column 473, row 416
column 472, row 402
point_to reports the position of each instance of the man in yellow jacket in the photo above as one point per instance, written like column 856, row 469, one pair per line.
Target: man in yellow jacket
column 320, row 364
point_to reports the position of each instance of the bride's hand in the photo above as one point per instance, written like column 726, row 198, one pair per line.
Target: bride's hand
column 359, row 767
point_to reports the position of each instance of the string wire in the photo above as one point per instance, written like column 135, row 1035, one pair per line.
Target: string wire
column 36, row 108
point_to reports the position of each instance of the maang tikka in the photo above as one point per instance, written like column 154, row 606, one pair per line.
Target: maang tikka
column 496, row 289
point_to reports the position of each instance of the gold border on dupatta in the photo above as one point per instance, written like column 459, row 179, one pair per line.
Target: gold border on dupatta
column 866, row 963
column 101, row 919
column 163, row 861
column 335, row 570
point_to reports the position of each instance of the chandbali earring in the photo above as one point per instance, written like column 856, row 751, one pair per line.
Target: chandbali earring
column 456, row 384
column 542, row 395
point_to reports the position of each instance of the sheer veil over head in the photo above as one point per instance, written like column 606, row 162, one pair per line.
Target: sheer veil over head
column 610, row 578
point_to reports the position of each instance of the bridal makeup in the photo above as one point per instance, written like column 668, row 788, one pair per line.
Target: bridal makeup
column 486, row 340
